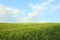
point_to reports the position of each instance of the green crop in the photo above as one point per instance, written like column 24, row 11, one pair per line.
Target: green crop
column 29, row 31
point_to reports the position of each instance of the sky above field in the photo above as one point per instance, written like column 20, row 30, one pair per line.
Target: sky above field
column 29, row 10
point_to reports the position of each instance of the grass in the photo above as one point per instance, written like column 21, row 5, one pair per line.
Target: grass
column 30, row 31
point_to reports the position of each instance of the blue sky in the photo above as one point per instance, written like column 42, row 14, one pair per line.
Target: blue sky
column 29, row 10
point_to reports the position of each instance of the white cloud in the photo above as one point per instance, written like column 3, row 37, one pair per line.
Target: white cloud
column 15, row 11
column 32, row 14
column 6, row 10
column 47, row 3
column 23, row 19
column 50, row 1
column 44, row 3
column 37, row 9
column 56, row 7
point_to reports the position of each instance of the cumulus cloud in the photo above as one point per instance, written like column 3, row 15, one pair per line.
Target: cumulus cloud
column 32, row 14
column 38, row 9
column 56, row 7
column 23, row 19
column 6, row 10
column 44, row 3
column 50, row 1
column 15, row 11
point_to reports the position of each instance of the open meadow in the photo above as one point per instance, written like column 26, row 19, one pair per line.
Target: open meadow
column 29, row 31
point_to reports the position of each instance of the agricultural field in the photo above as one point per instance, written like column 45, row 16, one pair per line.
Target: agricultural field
column 29, row 31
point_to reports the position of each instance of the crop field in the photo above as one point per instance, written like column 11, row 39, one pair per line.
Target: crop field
column 29, row 31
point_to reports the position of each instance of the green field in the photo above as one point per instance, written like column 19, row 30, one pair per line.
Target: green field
column 29, row 31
